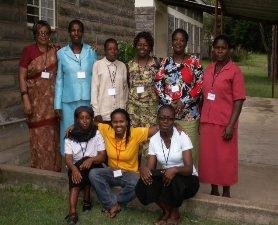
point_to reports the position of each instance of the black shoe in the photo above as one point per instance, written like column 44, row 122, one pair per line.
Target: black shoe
column 87, row 206
column 72, row 219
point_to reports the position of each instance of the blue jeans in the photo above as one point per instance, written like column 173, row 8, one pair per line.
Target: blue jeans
column 102, row 179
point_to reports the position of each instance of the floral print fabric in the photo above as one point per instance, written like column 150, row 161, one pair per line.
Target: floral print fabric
column 142, row 107
column 180, row 82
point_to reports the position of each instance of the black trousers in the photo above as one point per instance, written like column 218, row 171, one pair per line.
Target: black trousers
column 84, row 173
column 181, row 187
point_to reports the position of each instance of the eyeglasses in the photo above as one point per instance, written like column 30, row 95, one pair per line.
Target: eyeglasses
column 164, row 118
column 43, row 33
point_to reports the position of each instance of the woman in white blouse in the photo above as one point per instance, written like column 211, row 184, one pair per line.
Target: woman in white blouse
column 84, row 150
column 177, row 180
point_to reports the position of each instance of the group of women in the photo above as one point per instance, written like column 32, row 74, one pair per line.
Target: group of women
column 170, row 101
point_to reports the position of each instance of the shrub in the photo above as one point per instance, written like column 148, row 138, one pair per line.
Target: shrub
column 239, row 54
column 126, row 51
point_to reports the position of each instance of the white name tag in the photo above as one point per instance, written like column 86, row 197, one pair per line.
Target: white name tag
column 117, row 173
column 45, row 75
column 175, row 88
column 211, row 96
column 140, row 90
column 81, row 75
column 111, row 91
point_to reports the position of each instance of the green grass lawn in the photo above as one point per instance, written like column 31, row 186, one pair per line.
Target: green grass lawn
column 29, row 206
column 257, row 83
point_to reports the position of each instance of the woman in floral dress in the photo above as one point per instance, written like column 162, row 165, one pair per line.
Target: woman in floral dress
column 179, row 83
column 142, row 102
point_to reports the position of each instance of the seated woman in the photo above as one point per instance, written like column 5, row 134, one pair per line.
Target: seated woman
column 122, row 146
column 84, row 149
column 178, row 179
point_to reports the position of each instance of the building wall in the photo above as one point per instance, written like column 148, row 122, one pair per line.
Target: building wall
column 102, row 19
column 145, row 19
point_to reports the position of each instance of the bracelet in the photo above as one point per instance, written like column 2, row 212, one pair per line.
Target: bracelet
column 23, row 93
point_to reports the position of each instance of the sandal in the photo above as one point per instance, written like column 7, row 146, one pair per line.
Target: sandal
column 87, row 206
column 178, row 221
column 72, row 219
column 114, row 211
column 160, row 222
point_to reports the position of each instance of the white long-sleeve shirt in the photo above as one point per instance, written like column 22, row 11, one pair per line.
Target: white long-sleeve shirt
column 107, row 76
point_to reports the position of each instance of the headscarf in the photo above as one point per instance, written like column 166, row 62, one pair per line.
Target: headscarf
column 78, row 134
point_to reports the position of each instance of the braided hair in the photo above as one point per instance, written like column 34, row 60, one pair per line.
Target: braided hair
column 125, row 113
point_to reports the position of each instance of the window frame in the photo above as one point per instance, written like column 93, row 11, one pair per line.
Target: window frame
column 54, row 25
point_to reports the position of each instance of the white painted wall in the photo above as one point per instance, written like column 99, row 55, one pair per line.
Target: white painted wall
column 144, row 3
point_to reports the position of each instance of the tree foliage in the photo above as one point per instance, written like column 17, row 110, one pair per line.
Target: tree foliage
column 242, row 33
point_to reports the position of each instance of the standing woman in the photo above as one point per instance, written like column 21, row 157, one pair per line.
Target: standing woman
column 223, row 94
column 179, row 83
column 73, row 82
column 142, row 101
column 37, row 73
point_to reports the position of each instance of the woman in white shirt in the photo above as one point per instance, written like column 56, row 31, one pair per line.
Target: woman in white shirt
column 84, row 150
column 177, row 180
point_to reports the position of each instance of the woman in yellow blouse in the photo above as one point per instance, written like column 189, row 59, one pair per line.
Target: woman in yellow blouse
column 122, row 146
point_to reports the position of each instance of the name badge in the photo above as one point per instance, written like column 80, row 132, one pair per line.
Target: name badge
column 117, row 173
column 211, row 96
column 81, row 75
column 45, row 75
column 111, row 91
column 175, row 88
column 140, row 90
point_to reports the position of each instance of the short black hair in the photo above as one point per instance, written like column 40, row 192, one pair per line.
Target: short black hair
column 182, row 31
column 109, row 40
column 223, row 37
column 147, row 36
column 78, row 22
column 170, row 107
column 37, row 25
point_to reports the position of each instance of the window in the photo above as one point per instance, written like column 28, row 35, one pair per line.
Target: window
column 176, row 23
column 41, row 10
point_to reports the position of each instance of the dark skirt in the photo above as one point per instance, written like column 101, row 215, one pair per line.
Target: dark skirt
column 84, row 173
column 181, row 187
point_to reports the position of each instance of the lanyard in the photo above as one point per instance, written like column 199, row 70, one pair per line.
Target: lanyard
column 83, row 149
column 45, row 59
column 214, row 76
column 112, row 75
column 166, row 159
column 118, row 152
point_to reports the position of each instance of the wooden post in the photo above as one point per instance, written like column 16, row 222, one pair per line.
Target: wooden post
column 221, row 25
column 216, row 18
column 274, row 58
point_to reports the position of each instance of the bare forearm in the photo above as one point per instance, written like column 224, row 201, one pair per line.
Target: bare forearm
column 69, row 163
column 184, row 170
column 22, row 79
column 236, row 112
column 153, row 130
column 98, row 159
